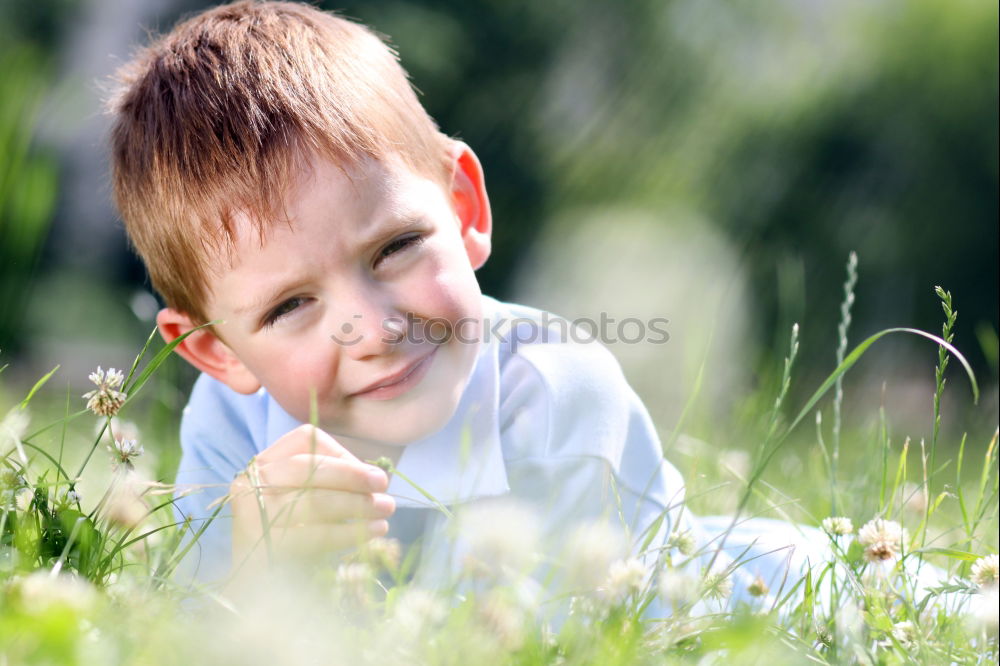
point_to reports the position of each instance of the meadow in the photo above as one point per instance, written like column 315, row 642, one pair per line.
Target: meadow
column 90, row 546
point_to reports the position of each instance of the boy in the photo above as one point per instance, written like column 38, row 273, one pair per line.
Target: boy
column 279, row 177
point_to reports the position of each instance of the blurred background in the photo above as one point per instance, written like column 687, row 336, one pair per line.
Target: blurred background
column 708, row 162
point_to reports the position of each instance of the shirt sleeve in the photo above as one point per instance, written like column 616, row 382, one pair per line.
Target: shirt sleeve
column 216, row 444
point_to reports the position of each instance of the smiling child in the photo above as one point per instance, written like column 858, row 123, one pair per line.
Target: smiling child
column 280, row 180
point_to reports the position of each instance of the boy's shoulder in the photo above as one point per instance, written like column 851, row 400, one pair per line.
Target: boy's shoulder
column 555, row 374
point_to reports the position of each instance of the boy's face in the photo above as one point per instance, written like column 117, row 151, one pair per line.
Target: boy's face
column 368, row 298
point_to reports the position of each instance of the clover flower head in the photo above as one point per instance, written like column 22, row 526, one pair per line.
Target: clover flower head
column 677, row 587
column 503, row 535
column 758, row 588
column 73, row 496
column 624, row 577
column 108, row 398
column 39, row 592
column 823, row 635
column 12, row 483
column 882, row 539
column 384, row 553
column 986, row 572
column 683, row 541
column 717, row 585
column 983, row 611
column 905, row 633
column 124, row 450
column 24, row 498
column 838, row 526
column 589, row 552
column 417, row 610
column 502, row 620
column 354, row 573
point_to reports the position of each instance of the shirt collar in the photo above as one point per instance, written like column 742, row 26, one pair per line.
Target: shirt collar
column 459, row 463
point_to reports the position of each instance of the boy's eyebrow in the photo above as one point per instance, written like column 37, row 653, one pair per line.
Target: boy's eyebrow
column 261, row 303
column 392, row 225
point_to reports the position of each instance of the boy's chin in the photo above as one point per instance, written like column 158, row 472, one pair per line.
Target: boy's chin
column 413, row 422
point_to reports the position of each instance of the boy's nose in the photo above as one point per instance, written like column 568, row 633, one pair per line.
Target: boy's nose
column 368, row 332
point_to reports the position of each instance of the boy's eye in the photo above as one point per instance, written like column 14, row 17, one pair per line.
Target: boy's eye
column 398, row 244
column 282, row 310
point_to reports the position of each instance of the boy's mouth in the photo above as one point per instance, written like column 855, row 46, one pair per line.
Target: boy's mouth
column 399, row 382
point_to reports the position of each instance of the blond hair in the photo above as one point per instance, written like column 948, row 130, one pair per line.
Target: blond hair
column 220, row 115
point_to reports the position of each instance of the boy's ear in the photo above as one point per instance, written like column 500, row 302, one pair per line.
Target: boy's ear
column 468, row 195
column 204, row 350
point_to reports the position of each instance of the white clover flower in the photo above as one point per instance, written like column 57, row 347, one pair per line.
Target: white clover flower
column 683, row 541
column 678, row 588
column 124, row 450
column 384, row 553
column 882, row 539
column 502, row 620
column 108, row 398
column 589, row 552
column 353, row 582
column 905, row 633
column 624, row 578
column 986, row 572
column 417, row 610
column 823, row 635
column 12, row 482
column 354, row 573
column 717, row 585
column 984, row 611
column 502, row 535
column 838, row 526
column 40, row 591
column 23, row 499
column 73, row 496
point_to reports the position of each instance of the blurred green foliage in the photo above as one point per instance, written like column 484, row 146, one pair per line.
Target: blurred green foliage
column 800, row 130
column 803, row 130
column 31, row 34
column 27, row 188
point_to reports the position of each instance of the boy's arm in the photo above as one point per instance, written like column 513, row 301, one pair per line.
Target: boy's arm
column 579, row 441
column 217, row 442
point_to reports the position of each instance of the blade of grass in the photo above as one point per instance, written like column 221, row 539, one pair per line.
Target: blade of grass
column 39, row 384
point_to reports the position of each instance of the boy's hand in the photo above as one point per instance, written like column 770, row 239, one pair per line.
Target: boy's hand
column 306, row 494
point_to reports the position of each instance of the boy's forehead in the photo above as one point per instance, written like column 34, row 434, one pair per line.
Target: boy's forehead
column 363, row 197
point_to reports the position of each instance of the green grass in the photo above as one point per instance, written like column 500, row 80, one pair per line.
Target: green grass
column 91, row 581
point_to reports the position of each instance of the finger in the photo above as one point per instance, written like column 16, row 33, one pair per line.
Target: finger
column 327, row 506
column 304, row 470
column 327, row 538
column 305, row 439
